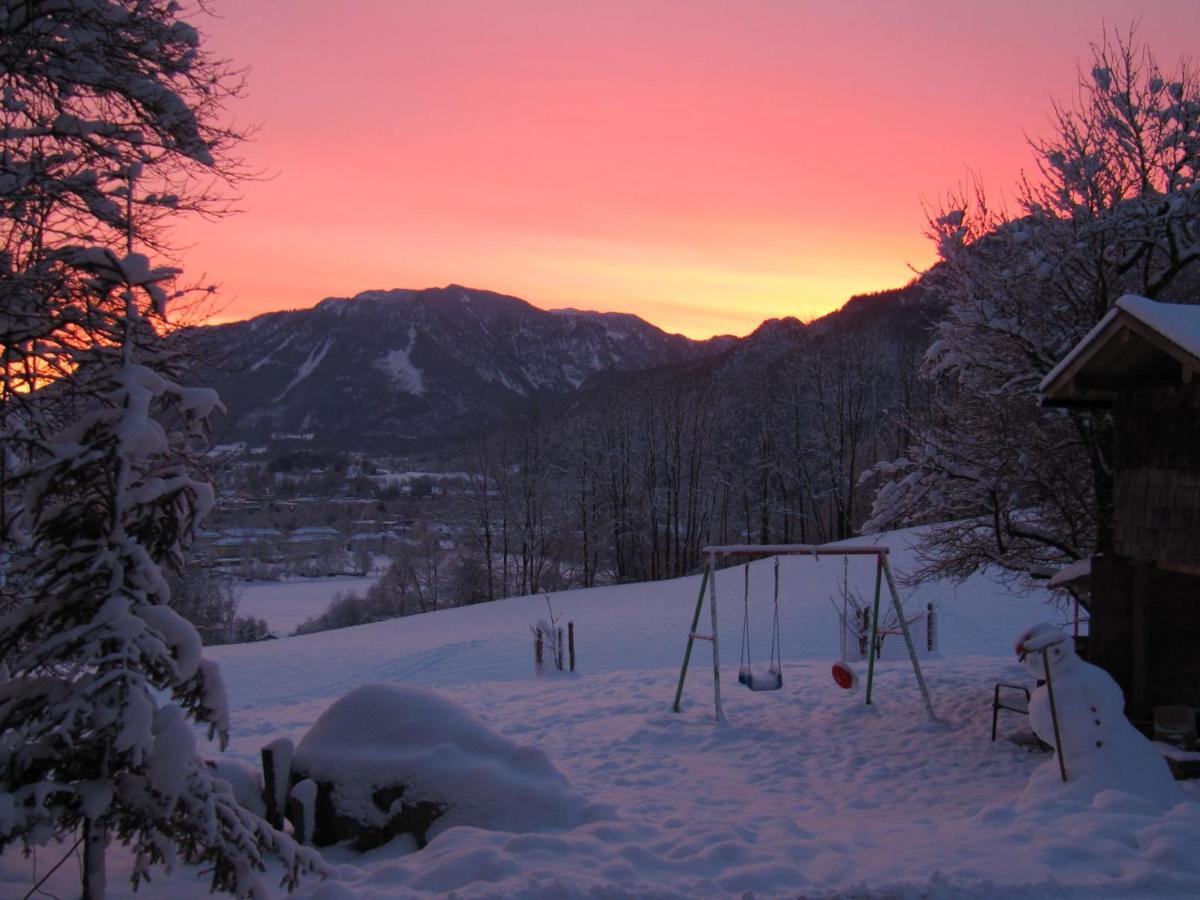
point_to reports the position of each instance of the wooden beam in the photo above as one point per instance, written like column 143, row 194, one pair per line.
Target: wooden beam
column 1140, row 651
column 1103, row 382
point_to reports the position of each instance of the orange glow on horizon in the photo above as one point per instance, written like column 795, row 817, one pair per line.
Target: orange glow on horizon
column 701, row 164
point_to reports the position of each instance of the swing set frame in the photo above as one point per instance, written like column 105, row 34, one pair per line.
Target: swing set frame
column 883, row 572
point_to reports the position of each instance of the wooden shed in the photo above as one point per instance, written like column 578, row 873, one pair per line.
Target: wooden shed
column 1142, row 361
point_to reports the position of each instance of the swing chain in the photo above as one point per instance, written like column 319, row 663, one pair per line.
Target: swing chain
column 775, row 667
column 744, row 666
column 776, row 659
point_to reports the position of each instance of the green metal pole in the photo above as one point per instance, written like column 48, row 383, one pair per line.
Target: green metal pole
column 874, row 628
column 712, row 608
column 912, row 650
column 687, row 654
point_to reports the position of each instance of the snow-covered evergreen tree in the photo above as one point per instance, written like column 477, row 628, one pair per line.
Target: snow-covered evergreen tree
column 101, row 681
column 1114, row 209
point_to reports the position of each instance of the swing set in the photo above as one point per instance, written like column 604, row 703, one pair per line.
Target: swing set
column 771, row 678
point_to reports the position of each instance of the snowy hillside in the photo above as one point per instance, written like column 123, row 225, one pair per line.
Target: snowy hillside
column 806, row 792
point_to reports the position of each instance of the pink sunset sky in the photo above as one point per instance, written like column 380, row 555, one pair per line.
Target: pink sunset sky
column 705, row 165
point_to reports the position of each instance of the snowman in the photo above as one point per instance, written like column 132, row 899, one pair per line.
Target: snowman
column 1100, row 750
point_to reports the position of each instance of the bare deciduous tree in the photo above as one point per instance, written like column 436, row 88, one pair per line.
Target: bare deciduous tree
column 1113, row 209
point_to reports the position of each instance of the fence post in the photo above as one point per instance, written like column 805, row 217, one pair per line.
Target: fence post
column 537, row 651
column 276, row 763
column 302, row 810
column 930, row 628
column 571, row 643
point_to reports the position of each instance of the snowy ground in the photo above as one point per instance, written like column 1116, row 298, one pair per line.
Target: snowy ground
column 806, row 792
column 285, row 604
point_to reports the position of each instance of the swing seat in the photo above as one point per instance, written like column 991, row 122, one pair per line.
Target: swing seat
column 769, row 680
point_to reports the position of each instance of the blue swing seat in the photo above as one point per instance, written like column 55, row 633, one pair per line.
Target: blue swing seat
column 769, row 680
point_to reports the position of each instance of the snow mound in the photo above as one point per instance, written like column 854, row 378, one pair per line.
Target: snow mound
column 381, row 735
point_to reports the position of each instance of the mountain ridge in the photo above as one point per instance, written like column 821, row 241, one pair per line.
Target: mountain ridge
column 413, row 366
column 401, row 369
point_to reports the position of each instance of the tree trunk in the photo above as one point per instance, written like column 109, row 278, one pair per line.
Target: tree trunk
column 95, row 840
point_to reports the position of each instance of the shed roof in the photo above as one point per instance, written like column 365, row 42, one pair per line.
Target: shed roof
column 1139, row 344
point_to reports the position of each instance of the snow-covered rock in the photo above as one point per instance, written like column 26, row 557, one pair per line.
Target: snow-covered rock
column 395, row 759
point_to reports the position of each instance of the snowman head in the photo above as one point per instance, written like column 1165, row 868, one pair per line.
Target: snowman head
column 1049, row 638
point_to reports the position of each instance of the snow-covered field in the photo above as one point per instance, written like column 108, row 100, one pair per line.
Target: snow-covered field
column 285, row 604
column 805, row 792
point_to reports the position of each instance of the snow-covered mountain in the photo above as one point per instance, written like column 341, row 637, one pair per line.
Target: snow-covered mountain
column 388, row 370
column 385, row 368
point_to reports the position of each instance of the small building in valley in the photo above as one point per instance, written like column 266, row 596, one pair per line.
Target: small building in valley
column 1142, row 361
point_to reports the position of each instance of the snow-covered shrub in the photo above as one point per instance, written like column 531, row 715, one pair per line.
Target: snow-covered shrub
column 410, row 585
column 207, row 599
column 344, row 610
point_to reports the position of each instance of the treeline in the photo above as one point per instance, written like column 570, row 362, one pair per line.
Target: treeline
column 425, row 574
column 765, row 444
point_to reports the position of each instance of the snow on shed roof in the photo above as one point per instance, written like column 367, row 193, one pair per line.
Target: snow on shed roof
column 1139, row 341
column 1177, row 322
column 1080, row 570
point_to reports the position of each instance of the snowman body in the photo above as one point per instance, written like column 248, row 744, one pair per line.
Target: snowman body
column 1090, row 705
column 1101, row 749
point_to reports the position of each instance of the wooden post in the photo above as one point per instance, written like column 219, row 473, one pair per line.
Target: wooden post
column 571, row 643
column 302, row 810
column 1139, row 703
column 277, row 771
column 274, row 819
column 558, row 649
column 537, row 651
column 930, row 628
